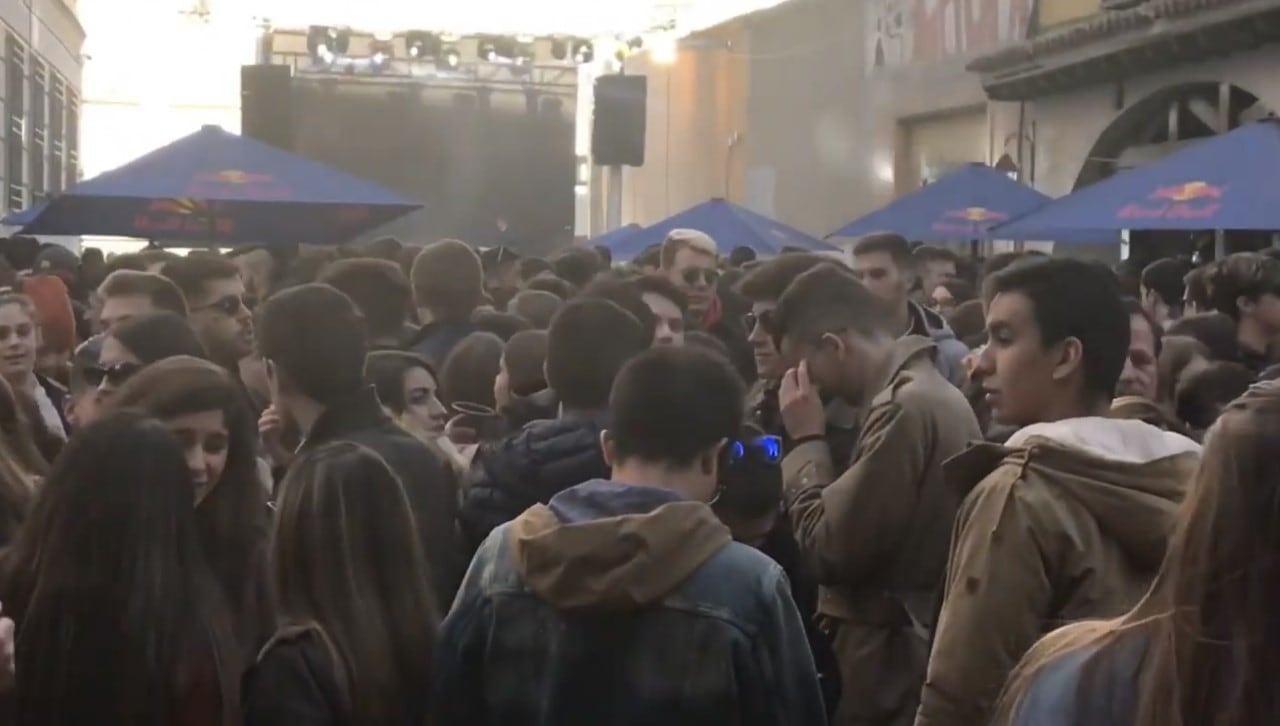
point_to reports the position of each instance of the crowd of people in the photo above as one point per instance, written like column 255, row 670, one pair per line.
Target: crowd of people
column 402, row 484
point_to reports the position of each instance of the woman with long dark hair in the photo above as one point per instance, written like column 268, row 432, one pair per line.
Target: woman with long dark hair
column 119, row 620
column 358, row 623
column 203, row 407
column 1203, row 647
column 407, row 386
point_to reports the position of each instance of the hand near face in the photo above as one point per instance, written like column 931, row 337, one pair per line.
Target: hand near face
column 800, row 404
column 271, row 429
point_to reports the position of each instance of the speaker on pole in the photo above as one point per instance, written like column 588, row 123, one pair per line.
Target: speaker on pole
column 618, row 123
column 266, row 104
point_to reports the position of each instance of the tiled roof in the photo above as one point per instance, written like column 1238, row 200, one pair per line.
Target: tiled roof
column 1111, row 24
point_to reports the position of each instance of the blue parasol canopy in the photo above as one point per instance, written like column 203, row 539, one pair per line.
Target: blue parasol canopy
column 729, row 225
column 1226, row 182
column 962, row 206
column 214, row 187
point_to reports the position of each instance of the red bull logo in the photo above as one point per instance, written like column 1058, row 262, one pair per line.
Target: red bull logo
column 1190, row 200
column 968, row 220
column 182, row 218
column 251, row 186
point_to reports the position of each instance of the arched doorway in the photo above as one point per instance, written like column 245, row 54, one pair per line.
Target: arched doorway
column 1160, row 124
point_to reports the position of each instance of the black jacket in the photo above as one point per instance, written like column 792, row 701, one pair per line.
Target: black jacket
column 529, row 467
column 294, row 684
column 435, row 341
column 428, row 480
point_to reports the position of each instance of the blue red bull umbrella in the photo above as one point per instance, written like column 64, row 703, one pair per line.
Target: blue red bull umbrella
column 728, row 224
column 23, row 217
column 214, row 187
column 614, row 236
column 962, row 206
column 1226, row 182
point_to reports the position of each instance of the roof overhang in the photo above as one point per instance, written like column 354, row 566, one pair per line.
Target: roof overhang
column 1119, row 43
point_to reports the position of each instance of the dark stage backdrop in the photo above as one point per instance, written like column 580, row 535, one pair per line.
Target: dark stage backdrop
column 469, row 156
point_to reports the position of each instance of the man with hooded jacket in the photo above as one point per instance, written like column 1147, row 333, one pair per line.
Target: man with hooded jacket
column 873, row 531
column 1068, row 520
column 625, row 601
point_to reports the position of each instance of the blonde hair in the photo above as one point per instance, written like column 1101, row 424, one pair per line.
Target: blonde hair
column 681, row 239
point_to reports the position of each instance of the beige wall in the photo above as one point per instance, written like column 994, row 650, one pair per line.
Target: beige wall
column 696, row 110
column 832, row 112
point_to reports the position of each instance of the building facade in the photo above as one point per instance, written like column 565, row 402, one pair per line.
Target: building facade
column 40, row 99
column 818, row 111
column 848, row 105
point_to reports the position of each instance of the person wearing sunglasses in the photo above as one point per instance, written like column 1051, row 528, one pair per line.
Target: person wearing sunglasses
column 219, row 307
column 749, row 502
column 136, row 343
column 690, row 261
column 875, row 530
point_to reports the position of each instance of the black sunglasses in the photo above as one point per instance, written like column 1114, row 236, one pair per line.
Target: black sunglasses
column 693, row 275
column 230, row 305
column 116, row 375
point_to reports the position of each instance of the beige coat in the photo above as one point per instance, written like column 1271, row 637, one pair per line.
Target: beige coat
column 876, row 536
column 1068, row 521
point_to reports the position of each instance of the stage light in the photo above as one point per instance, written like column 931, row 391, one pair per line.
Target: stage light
column 487, row 47
column 449, row 59
column 327, row 43
column 523, row 52
column 382, row 51
column 560, row 49
column 665, row 50
column 422, row 45
column 584, row 51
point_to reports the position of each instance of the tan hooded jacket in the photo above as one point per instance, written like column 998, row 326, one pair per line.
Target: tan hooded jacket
column 1068, row 521
column 876, row 534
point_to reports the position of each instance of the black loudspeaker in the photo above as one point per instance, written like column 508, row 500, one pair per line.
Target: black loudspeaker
column 617, row 128
column 266, row 104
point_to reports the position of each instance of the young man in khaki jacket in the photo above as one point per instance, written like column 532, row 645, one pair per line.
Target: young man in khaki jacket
column 875, row 535
column 1069, row 520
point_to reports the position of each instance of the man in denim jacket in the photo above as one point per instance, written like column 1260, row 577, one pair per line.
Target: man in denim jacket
column 626, row 601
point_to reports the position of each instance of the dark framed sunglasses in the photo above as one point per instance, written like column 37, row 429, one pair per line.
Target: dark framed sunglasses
column 761, row 450
column 230, row 305
column 763, row 319
column 693, row 275
column 115, row 375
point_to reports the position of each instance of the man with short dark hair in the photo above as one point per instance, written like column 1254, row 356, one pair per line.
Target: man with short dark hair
column 1246, row 286
column 501, row 274
column 536, row 306
column 883, row 262
column 381, row 292
column 126, row 294
column 588, row 343
column 1070, row 519
column 761, row 288
column 935, row 266
column 314, row 342
column 625, row 600
column 1162, row 285
column 218, row 307
column 1140, row 376
column 874, row 529
column 448, row 286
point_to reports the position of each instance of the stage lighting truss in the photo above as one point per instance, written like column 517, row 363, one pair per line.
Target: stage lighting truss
column 578, row 51
column 487, row 60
